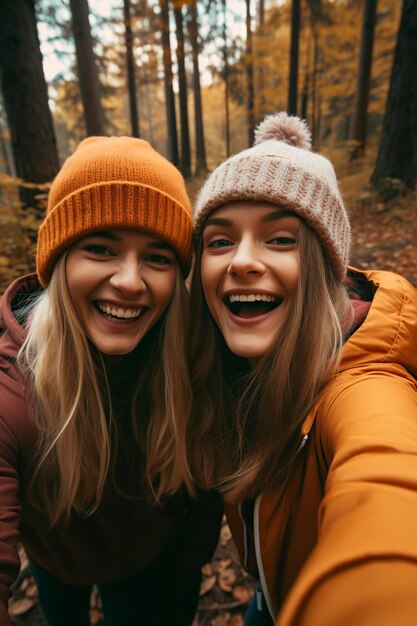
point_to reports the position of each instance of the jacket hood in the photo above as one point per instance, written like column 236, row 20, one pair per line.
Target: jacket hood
column 387, row 335
column 389, row 332
column 12, row 332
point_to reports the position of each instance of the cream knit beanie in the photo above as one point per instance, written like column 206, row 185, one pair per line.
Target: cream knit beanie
column 280, row 168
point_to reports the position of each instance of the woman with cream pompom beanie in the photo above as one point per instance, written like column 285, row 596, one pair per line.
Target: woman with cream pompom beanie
column 304, row 378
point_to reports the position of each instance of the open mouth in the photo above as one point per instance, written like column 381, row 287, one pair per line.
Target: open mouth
column 251, row 305
column 118, row 314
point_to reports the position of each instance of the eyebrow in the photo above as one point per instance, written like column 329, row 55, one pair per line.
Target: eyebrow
column 276, row 215
column 217, row 221
column 105, row 234
column 160, row 244
column 269, row 217
column 102, row 234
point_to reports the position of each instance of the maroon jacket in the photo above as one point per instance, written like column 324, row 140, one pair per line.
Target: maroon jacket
column 121, row 538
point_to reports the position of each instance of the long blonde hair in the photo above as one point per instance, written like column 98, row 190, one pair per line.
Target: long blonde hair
column 245, row 424
column 69, row 399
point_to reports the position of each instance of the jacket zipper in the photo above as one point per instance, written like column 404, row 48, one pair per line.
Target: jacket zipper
column 245, row 537
column 262, row 587
column 258, row 586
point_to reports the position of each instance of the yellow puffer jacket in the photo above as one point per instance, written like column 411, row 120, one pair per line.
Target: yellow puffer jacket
column 338, row 547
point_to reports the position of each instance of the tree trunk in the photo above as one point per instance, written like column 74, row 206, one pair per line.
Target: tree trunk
column 149, row 110
column 148, row 91
column 357, row 132
column 7, row 165
column 397, row 154
column 306, row 84
column 293, row 76
column 250, row 95
column 130, row 62
column 317, row 137
column 25, row 96
column 262, row 63
column 169, row 91
column 314, row 87
column 201, row 165
column 226, row 82
column 87, row 69
column 183, row 97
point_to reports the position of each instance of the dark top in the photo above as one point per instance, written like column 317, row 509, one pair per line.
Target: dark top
column 122, row 537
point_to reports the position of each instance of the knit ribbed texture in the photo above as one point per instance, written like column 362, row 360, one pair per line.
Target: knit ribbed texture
column 291, row 177
column 115, row 183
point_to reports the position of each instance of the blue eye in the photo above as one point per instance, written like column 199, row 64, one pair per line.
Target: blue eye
column 159, row 259
column 283, row 241
column 99, row 250
column 219, row 243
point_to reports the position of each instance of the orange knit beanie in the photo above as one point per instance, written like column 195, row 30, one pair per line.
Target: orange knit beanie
column 109, row 183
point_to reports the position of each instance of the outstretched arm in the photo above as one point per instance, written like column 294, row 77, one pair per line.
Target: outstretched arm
column 363, row 570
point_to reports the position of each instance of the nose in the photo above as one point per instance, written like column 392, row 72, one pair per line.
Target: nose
column 246, row 260
column 127, row 278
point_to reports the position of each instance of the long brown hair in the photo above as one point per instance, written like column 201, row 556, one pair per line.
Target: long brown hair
column 69, row 399
column 245, row 423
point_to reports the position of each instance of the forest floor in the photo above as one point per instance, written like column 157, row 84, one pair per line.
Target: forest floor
column 384, row 237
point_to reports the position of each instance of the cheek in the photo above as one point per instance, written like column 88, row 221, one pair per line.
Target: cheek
column 208, row 280
column 75, row 276
column 292, row 273
column 166, row 289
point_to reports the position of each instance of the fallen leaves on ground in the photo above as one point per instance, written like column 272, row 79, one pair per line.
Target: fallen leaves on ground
column 226, row 588
column 385, row 236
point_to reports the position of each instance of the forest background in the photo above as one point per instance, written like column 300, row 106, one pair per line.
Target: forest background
column 194, row 77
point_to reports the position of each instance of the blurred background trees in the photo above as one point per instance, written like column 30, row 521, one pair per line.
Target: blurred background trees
column 194, row 77
column 397, row 153
column 25, row 97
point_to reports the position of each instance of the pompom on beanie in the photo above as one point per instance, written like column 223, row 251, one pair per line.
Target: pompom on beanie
column 114, row 183
column 281, row 169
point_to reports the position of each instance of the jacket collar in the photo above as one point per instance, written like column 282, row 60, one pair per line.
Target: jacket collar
column 12, row 333
column 384, row 330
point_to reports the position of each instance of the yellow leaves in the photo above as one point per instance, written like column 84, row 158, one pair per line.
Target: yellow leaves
column 17, row 235
column 337, row 66
column 242, row 594
column 207, row 584
column 13, row 181
column 227, row 579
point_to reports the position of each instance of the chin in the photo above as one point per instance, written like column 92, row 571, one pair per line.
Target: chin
column 115, row 350
column 246, row 352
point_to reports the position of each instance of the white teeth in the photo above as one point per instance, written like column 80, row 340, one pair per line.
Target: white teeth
column 118, row 312
column 252, row 297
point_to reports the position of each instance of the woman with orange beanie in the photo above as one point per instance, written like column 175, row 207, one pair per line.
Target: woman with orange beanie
column 305, row 380
column 95, row 398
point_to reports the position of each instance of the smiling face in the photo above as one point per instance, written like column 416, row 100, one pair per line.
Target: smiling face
column 120, row 283
column 249, row 273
